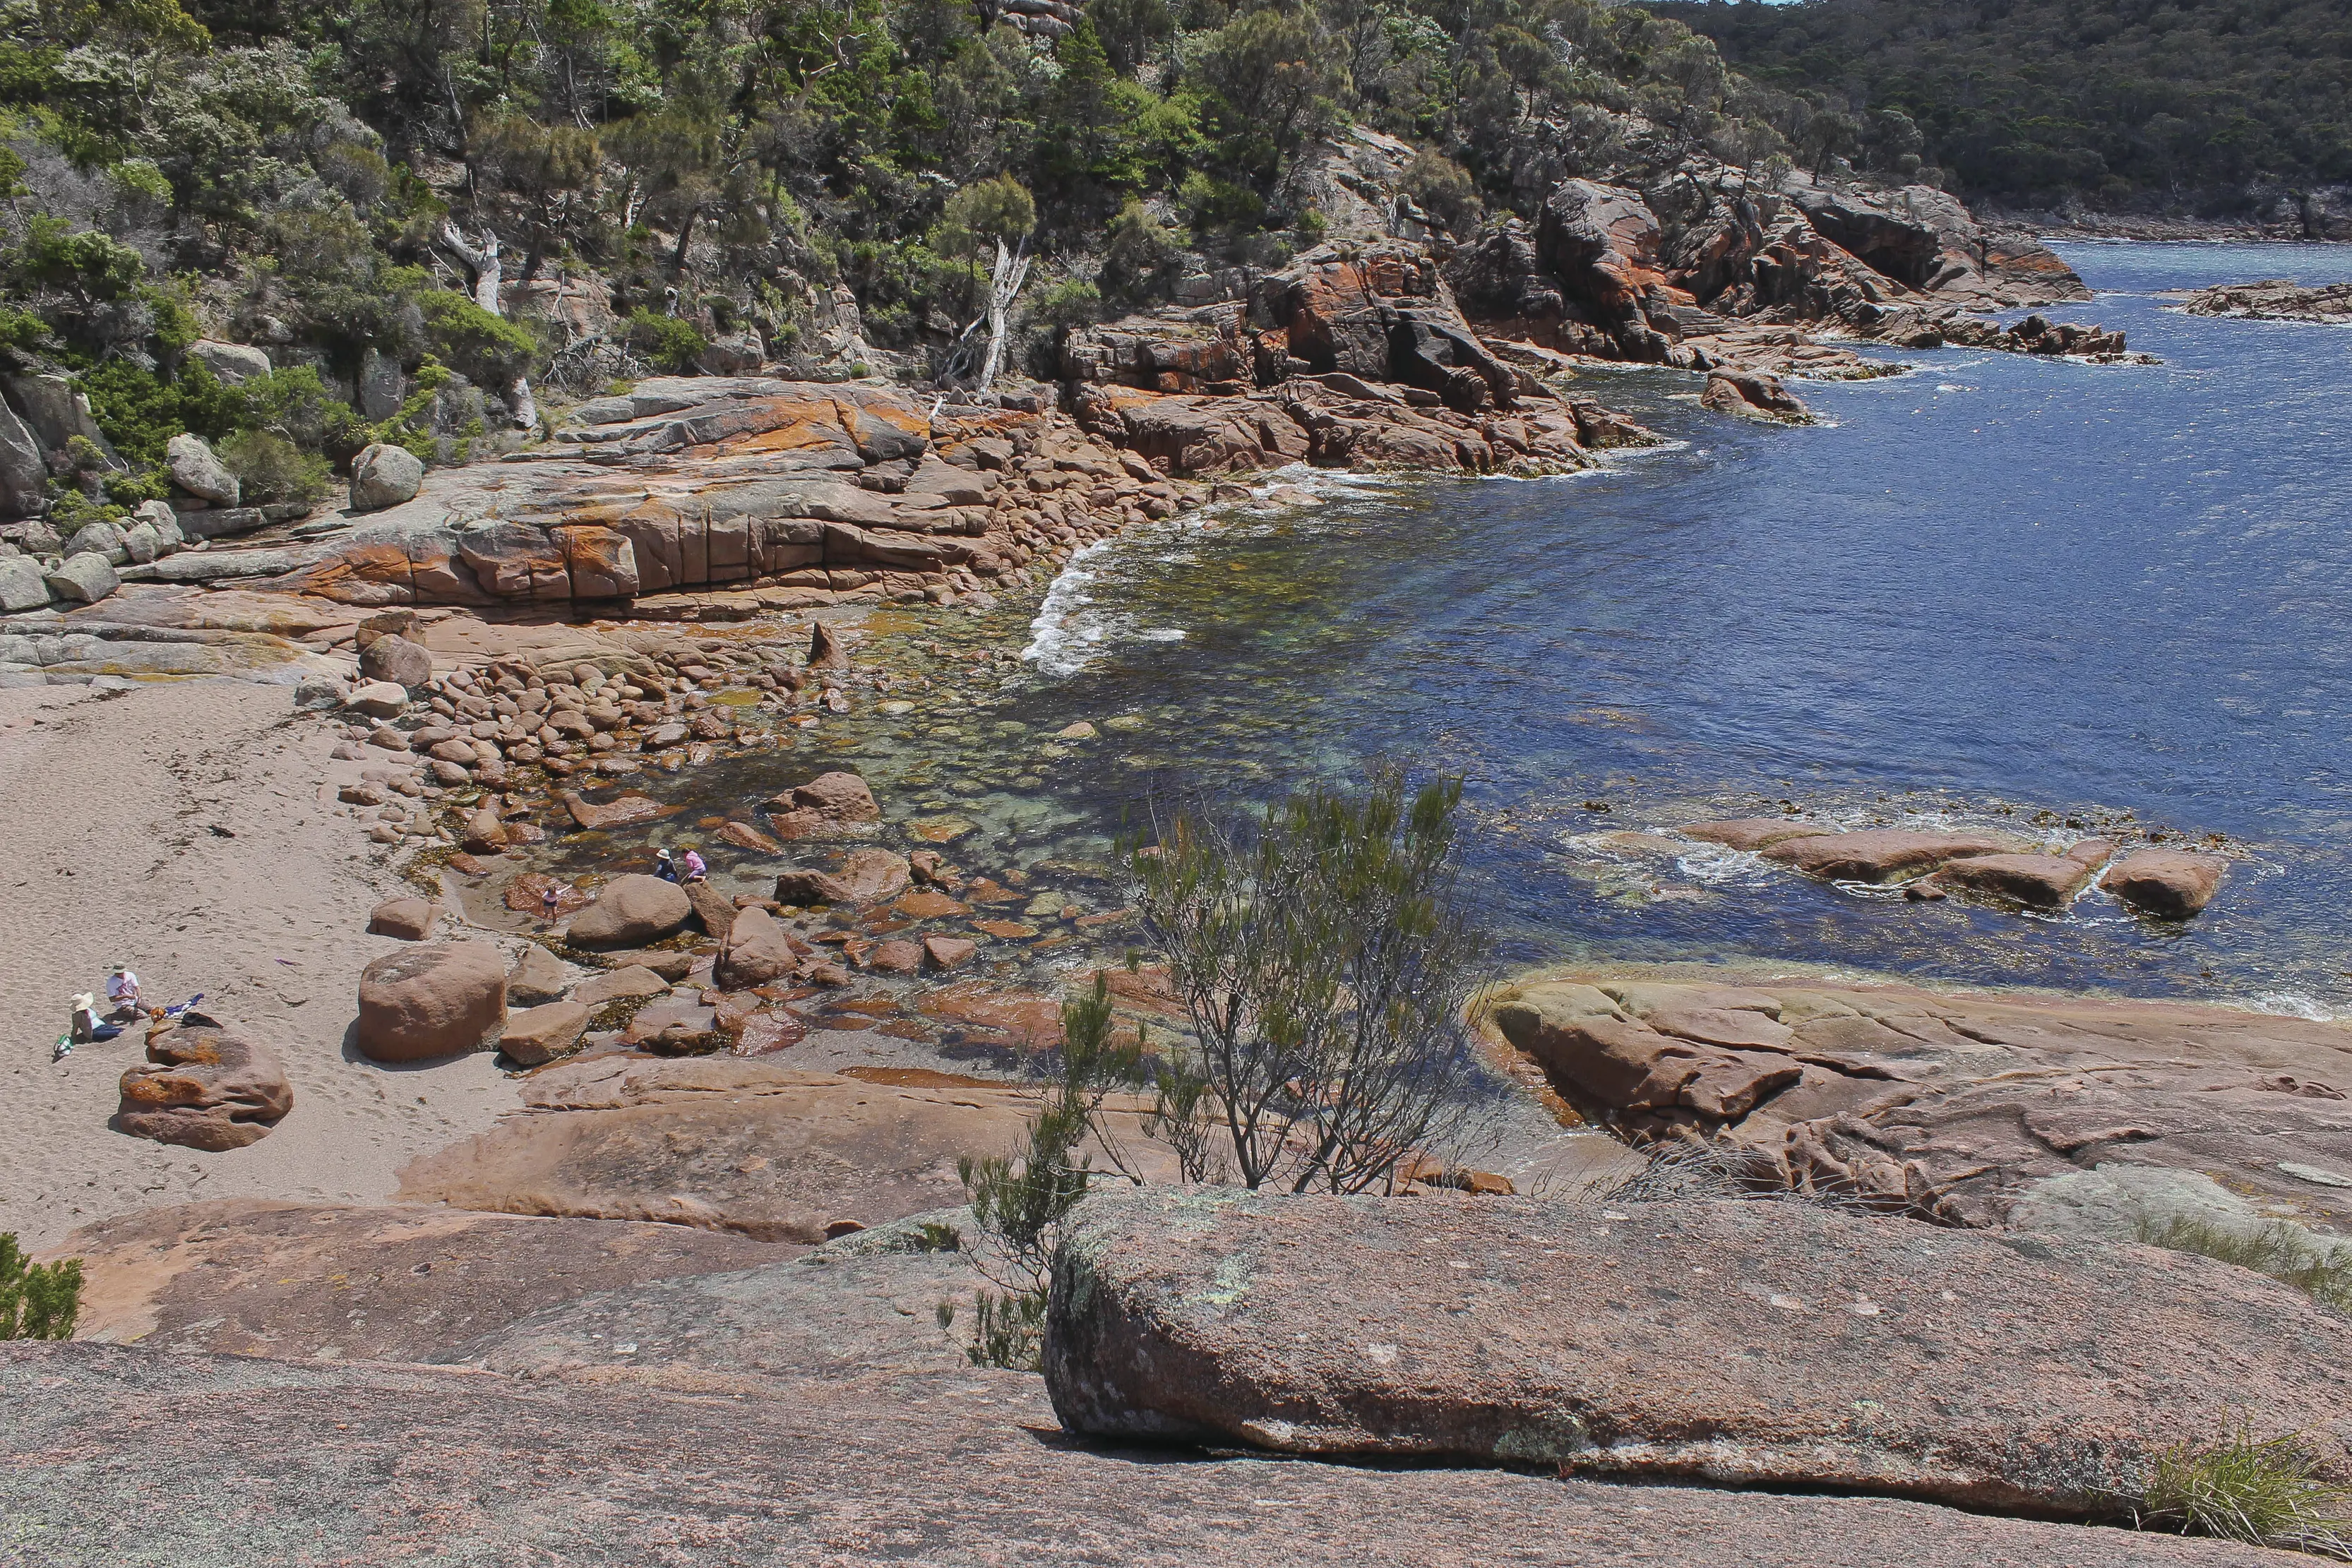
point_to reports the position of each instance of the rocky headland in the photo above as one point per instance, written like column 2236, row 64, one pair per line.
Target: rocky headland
column 2273, row 300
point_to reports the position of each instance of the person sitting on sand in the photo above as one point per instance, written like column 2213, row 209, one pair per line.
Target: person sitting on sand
column 695, row 870
column 122, row 990
column 665, row 867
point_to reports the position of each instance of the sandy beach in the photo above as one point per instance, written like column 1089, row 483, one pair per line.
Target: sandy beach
column 188, row 828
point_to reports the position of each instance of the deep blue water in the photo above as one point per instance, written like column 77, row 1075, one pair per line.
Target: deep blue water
column 1995, row 589
column 1992, row 587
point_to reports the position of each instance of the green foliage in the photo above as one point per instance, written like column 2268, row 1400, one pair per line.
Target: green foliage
column 73, row 510
column 141, row 412
column 37, row 1300
column 1009, row 1331
column 985, row 214
column 1326, row 964
column 268, row 467
column 2187, row 103
column 2286, row 1251
column 87, row 263
column 486, row 350
column 1444, row 190
column 1020, row 1204
column 1072, row 303
column 2264, row 1492
column 667, row 342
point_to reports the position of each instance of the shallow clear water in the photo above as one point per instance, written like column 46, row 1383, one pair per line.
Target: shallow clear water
column 1991, row 588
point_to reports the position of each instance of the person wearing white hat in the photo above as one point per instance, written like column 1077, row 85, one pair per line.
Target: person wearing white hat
column 122, row 990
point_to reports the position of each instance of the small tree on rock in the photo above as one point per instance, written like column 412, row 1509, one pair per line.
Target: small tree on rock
column 1327, row 968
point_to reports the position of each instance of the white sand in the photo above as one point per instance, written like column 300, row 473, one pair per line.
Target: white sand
column 110, row 805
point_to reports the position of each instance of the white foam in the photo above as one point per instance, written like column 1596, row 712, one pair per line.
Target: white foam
column 1066, row 630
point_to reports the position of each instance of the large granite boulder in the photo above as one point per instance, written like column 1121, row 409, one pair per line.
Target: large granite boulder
column 631, row 911
column 24, row 473
column 57, row 411
column 1953, row 1106
column 1885, row 854
column 425, row 1002
column 204, row 1086
column 1776, row 1344
column 22, row 585
column 535, row 1036
column 757, row 951
column 864, row 876
column 831, row 805
column 195, row 469
column 82, row 579
column 2174, row 883
column 101, row 539
column 384, row 475
column 232, row 364
column 397, row 660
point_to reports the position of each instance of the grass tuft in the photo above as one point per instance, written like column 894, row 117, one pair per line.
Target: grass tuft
column 2284, row 1251
column 2259, row 1491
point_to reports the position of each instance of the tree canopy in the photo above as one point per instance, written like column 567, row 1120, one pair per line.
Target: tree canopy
column 2205, row 104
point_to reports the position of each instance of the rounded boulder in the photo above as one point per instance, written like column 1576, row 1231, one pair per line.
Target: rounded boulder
column 425, row 1002
column 384, row 475
column 203, row 1087
column 631, row 911
column 397, row 660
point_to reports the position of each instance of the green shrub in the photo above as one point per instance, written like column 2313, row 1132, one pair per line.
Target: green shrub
column 139, row 411
column 37, row 1300
column 74, row 511
column 2261, row 1493
column 296, row 403
column 486, row 350
column 270, row 468
column 668, row 342
column 1075, row 303
column 1444, row 189
column 1020, row 1207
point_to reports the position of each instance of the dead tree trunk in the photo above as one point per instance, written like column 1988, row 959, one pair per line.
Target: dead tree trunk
column 484, row 271
column 1010, row 272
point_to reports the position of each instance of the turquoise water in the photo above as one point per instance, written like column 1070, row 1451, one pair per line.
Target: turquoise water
column 1991, row 589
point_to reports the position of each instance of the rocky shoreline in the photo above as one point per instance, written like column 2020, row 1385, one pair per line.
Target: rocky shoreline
column 2273, row 300
column 686, row 1273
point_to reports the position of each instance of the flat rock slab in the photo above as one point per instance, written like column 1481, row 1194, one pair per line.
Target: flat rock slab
column 1952, row 1104
column 1764, row 1343
column 819, row 1416
column 726, row 1143
column 247, row 1278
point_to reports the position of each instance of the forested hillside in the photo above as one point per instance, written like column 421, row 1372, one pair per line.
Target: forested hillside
column 427, row 212
column 2219, row 107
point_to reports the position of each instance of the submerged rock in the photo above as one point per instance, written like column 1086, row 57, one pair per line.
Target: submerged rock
column 2174, row 883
